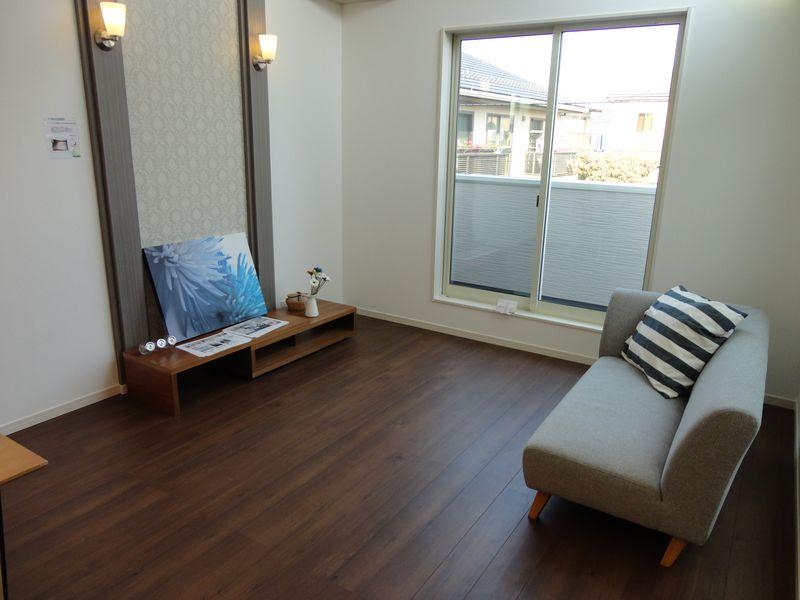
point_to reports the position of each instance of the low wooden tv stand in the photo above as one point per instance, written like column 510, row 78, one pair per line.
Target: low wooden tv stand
column 153, row 379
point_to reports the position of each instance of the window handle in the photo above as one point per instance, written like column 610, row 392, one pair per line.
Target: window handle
column 537, row 200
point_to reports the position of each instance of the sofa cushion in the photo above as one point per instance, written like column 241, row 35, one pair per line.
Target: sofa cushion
column 606, row 442
column 677, row 336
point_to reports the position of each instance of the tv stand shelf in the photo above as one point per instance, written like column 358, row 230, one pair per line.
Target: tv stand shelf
column 153, row 379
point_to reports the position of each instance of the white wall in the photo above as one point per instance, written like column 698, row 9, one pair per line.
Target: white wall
column 731, row 208
column 56, row 343
column 305, row 108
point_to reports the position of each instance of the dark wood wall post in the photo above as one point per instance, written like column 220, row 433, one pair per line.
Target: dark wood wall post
column 107, row 107
column 255, row 105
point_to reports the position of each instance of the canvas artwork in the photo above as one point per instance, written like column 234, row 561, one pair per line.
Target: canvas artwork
column 205, row 284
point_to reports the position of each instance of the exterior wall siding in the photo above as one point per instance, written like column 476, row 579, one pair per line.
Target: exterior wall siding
column 597, row 237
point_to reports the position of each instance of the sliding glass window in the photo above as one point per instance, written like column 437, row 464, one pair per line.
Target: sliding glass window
column 555, row 156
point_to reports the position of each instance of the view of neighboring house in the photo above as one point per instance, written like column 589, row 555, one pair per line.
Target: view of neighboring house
column 501, row 119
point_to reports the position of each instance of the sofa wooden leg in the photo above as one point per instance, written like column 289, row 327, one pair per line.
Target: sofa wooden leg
column 539, row 501
column 674, row 549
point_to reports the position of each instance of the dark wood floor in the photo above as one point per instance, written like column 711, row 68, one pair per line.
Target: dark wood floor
column 385, row 467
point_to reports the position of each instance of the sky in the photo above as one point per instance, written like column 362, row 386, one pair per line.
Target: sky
column 593, row 63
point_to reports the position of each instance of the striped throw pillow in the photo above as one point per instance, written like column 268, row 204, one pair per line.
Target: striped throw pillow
column 677, row 337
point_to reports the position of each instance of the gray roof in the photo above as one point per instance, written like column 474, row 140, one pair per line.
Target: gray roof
column 484, row 78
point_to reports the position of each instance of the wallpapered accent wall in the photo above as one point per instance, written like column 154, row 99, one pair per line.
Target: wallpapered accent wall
column 185, row 106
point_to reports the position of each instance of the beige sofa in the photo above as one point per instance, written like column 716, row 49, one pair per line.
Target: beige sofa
column 614, row 444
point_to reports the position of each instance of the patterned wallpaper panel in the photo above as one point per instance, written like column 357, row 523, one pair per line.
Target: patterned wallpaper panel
column 185, row 104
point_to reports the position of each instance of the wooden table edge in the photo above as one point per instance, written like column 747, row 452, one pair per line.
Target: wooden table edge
column 33, row 462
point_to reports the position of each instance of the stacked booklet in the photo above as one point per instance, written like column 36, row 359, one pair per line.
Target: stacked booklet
column 233, row 336
column 213, row 344
column 256, row 327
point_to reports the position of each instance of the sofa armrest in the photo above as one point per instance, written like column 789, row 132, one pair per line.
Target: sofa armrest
column 700, row 472
column 625, row 310
column 718, row 426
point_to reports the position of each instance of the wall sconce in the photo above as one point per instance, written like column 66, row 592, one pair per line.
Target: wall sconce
column 114, row 20
column 269, row 47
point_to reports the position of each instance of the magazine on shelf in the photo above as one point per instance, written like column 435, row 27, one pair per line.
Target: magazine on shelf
column 254, row 328
column 213, row 344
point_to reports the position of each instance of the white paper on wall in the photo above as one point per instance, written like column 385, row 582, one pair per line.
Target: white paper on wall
column 62, row 137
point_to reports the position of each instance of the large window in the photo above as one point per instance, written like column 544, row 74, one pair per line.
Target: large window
column 552, row 192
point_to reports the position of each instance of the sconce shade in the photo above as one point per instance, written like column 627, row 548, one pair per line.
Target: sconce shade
column 269, row 46
column 113, row 17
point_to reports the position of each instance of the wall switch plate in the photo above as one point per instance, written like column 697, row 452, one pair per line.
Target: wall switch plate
column 506, row 307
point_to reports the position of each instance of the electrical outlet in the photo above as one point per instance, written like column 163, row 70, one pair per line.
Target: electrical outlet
column 506, row 307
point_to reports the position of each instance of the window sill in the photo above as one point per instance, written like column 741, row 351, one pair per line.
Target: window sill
column 524, row 314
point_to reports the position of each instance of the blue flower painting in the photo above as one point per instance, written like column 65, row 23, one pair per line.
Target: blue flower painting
column 205, row 284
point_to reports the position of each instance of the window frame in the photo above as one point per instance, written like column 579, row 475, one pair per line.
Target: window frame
column 531, row 306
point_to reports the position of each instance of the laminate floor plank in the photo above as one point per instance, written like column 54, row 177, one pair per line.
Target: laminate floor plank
column 408, row 569
column 414, row 517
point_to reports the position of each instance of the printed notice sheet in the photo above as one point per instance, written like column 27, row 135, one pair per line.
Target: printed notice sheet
column 256, row 327
column 214, row 344
column 62, row 137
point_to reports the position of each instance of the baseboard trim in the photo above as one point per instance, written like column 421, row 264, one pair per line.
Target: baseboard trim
column 780, row 401
column 61, row 409
column 480, row 337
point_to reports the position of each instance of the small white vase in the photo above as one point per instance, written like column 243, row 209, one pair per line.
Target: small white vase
column 312, row 310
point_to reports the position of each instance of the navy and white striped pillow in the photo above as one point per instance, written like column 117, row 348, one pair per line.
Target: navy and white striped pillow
column 677, row 336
